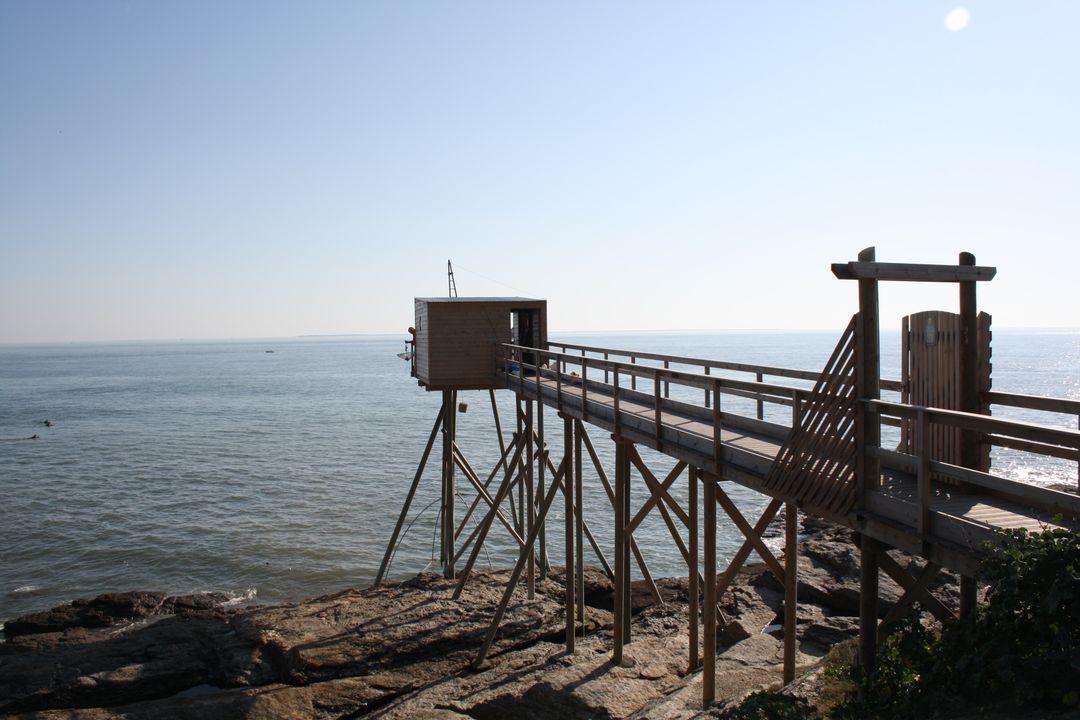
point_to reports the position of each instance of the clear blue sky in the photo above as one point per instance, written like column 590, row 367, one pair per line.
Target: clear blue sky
column 206, row 169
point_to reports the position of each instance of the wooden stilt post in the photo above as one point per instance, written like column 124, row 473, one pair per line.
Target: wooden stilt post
column 968, row 593
column 448, row 487
column 622, row 552
column 868, row 604
column 568, row 484
column 791, row 580
column 579, row 524
column 970, row 346
column 692, row 569
column 521, row 486
column 867, row 466
column 542, row 448
column 627, row 540
column 708, row 678
column 530, row 512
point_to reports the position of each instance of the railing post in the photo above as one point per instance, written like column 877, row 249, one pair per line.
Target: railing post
column 707, row 369
column 584, row 389
column 922, row 448
column 667, row 380
column 760, row 402
column 633, row 375
column 606, row 369
column 558, row 383
column 615, row 395
column 656, row 407
column 717, row 439
column 969, row 364
column 867, row 467
column 538, row 357
column 867, row 383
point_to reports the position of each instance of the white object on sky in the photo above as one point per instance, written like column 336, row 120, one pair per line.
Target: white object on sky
column 957, row 19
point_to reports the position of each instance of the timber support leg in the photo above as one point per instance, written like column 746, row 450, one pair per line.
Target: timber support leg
column 708, row 679
column 448, row 485
column 868, row 604
column 692, row 570
column 622, row 551
column 570, row 575
column 579, row 525
column 968, row 591
column 791, row 584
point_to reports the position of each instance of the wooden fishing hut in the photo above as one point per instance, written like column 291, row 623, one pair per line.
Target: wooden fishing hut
column 456, row 345
column 457, row 339
column 934, row 494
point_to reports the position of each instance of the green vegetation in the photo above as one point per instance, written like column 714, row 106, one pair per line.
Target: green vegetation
column 772, row 706
column 1021, row 649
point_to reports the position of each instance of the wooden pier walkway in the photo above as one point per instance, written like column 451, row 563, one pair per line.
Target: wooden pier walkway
column 961, row 516
column 812, row 441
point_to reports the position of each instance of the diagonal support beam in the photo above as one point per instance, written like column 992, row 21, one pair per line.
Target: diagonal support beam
column 482, row 492
column 642, row 565
column 736, row 563
column 654, row 487
column 659, row 491
column 482, row 529
column 390, row 546
column 587, row 532
column 748, row 532
column 476, row 500
column 914, row 589
column 493, row 629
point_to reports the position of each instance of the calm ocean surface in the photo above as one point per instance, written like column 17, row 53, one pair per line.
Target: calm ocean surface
column 189, row 466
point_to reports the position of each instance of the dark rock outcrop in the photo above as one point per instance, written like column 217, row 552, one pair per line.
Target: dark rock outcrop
column 406, row 649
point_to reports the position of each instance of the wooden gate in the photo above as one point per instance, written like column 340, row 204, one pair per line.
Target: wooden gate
column 930, row 374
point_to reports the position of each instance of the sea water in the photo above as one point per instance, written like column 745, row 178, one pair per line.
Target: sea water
column 274, row 470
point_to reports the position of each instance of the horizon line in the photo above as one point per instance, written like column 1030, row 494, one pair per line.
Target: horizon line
column 1067, row 329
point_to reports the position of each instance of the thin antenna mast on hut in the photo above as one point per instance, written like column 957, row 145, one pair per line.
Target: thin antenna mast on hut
column 451, row 290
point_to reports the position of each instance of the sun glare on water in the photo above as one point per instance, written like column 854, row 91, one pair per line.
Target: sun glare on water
column 957, row 19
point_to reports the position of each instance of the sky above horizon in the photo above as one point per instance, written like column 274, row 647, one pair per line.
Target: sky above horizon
column 268, row 169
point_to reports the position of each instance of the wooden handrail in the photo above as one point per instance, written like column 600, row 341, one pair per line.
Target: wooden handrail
column 1052, row 501
column 1032, row 402
column 983, row 423
column 678, row 377
column 684, row 360
column 707, row 364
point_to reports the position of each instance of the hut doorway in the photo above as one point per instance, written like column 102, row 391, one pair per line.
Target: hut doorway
column 525, row 330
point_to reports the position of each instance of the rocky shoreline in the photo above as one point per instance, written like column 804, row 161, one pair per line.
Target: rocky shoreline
column 403, row 650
